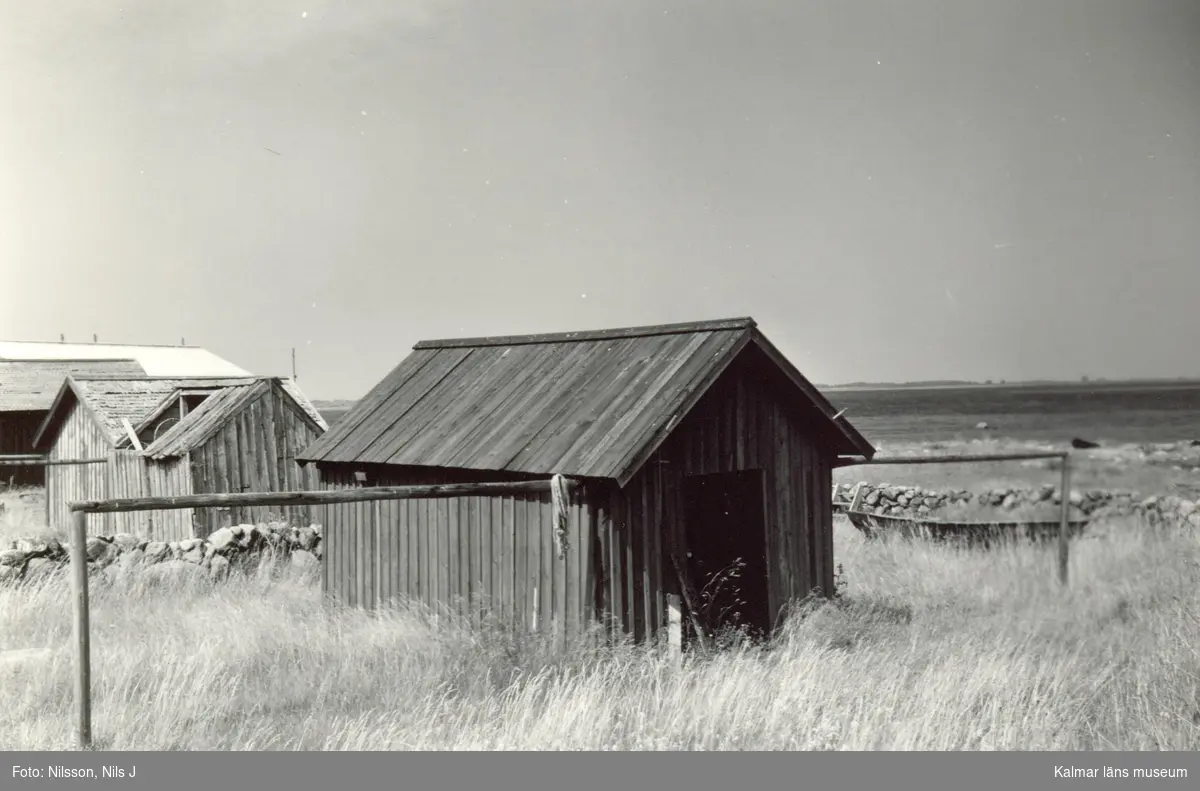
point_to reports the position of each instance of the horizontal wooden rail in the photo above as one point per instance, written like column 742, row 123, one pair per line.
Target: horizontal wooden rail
column 952, row 459
column 81, row 509
column 364, row 494
column 12, row 461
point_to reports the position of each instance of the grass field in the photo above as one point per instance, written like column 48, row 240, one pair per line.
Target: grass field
column 929, row 648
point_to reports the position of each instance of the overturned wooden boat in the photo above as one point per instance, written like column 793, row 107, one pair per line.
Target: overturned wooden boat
column 873, row 525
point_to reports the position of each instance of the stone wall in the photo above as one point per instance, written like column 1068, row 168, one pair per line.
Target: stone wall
column 913, row 501
column 27, row 558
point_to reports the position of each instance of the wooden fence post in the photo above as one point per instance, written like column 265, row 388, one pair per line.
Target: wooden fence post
column 1064, row 524
column 674, row 627
column 79, row 579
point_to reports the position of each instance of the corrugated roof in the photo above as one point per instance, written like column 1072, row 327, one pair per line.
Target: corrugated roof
column 588, row 404
column 154, row 360
column 31, row 385
column 205, row 420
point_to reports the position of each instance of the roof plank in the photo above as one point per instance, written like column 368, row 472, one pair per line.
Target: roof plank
column 410, row 393
column 652, row 428
column 592, row 404
column 602, row 440
column 488, row 402
column 365, row 409
column 608, row 366
column 598, row 419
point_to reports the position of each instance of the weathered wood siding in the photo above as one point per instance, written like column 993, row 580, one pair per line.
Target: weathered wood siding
column 255, row 451
column 472, row 555
column 742, row 423
column 78, row 438
column 132, row 475
column 17, row 430
column 376, row 551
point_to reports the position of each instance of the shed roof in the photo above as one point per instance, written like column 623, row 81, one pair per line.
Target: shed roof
column 111, row 401
column 154, row 360
column 31, row 385
column 589, row 404
column 205, row 420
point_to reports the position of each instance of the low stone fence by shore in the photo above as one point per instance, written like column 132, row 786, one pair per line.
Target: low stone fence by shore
column 28, row 558
column 914, row 501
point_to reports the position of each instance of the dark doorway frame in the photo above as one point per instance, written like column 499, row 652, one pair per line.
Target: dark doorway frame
column 724, row 521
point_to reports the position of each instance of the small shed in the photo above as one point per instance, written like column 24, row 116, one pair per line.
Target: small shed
column 701, row 461
column 164, row 437
column 27, row 389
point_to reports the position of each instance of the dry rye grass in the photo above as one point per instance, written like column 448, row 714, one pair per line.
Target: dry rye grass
column 930, row 648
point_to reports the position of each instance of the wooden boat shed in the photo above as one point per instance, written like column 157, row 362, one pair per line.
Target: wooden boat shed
column 27, row 389
column 694, row 449
column 32, row 372
column 164, row 437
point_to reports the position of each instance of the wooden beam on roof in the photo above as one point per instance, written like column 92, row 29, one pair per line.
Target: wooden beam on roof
column 133, row 437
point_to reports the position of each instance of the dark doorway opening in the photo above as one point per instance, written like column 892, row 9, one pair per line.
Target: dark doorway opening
column 725, row 531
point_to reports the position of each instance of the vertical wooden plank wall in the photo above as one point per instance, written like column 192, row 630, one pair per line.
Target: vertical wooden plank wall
column 129, row 474
column 740, row 424
column 170, row 478
column 477, row 556
column 255, row 451
column 79, row 438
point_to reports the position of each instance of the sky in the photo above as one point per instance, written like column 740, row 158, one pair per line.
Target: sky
column 895, row 191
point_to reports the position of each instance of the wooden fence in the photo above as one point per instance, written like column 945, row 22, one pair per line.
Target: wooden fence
column 1064, row 525
column 81, row 509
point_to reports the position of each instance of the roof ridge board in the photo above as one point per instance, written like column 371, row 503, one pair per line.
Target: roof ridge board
column 616, row 333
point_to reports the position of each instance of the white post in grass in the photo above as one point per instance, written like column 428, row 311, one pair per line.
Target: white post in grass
column 674, row 627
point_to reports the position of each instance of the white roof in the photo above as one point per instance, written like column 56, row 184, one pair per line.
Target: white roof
column 178, row 361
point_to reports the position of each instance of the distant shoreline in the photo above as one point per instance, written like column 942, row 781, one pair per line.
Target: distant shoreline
column 348, row 403
column 1106, row 383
